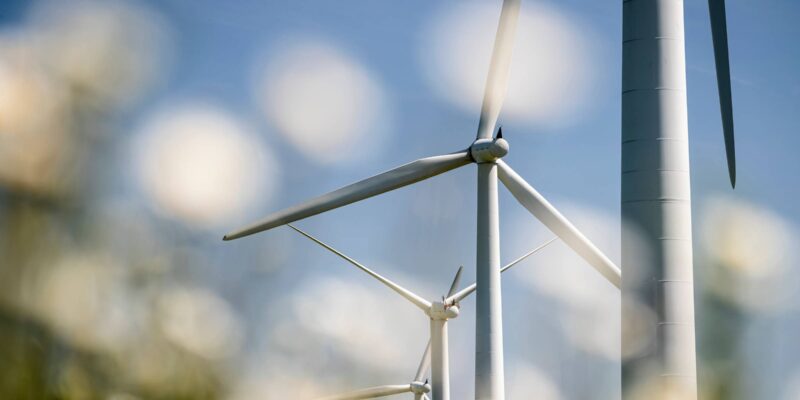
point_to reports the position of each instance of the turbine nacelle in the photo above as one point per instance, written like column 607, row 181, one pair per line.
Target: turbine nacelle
column 418, row 387
column 488, row 150
column 443, row 311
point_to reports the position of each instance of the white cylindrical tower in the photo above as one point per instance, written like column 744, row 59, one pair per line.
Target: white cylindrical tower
column 656, row 202
column 489, row 378
column 440, row 364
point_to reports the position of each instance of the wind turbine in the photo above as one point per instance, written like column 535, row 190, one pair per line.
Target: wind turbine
column 656, row 196
column 439, row 312
column 487, row 153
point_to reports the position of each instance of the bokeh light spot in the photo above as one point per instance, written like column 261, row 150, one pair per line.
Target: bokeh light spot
column 201, row 165
column 323, row 101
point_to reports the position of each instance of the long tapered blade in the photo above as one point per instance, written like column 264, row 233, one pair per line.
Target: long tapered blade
column 423, row 304
column 528, row 254
column 557, row 223
column 424, row 364
column 456, row 281
column 393, row 179
column 370, row 393
column 719, row 33
column 464, row 293
column 497, row 81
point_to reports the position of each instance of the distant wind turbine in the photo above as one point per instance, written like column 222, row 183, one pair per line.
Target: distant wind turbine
column 487, row 153
column 439, row 312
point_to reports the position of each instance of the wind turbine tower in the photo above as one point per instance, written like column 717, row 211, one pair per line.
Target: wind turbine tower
column 656, row 195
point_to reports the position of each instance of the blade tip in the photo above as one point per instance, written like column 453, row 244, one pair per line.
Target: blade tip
column 233, row 236
column 732, row 175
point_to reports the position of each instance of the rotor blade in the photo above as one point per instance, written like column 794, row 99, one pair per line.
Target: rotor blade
column 404, row 175
column 719, row 33
column 377, row 391
column 418, row 301
column 463, row 293
column 497, row 81
column 528, row 254
column 456, row 281
column 424, row 364
column 550, row 217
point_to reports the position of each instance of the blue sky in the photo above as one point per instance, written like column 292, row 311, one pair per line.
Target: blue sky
column 217, row 46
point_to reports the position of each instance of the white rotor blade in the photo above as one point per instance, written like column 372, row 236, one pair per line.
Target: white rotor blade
column 528, row 254
column 463, row 293
column 370, row 393
column 404, row 175
column 418, row 301
column 497, row 81
column 557, row 223
column 424, row 364
column 456, row 281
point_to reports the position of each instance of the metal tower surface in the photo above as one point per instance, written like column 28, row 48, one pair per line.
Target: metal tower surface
column 656, row 200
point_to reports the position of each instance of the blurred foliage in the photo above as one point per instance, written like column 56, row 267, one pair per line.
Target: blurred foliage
column 68, row 76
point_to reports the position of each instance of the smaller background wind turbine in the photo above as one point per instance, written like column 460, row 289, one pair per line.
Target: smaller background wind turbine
column 439, row 312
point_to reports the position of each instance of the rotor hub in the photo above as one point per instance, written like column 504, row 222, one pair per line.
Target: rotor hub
column 418, row 387
column 488, row 150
